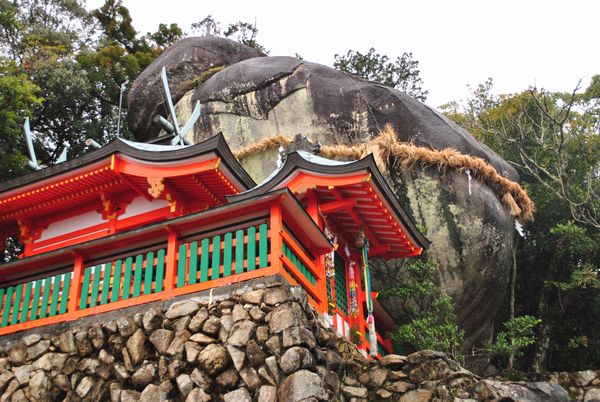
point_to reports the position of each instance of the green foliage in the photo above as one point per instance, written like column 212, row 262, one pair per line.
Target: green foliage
column 242, row 32
column 430, row 319
column 76, row 63
column 18, row 95
column 166, row 35
column 402, row 73
column 517, row 335
column 434, row 328
column 552, row 140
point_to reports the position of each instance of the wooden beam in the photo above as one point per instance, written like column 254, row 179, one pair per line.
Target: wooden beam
column 75, row 291
column 46, row 204
column 357, row 219
column 175, row 198
column 206, row 190
column 145, row 169
column 305, row 181
column 332, row 206
column 276, row 227
column 171, row 258
column 127, row 181
column 374, row 251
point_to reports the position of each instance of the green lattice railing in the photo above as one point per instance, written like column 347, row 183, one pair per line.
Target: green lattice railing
column 298, row 264
column 223, row 255
column 123, row 279
column 33, row 300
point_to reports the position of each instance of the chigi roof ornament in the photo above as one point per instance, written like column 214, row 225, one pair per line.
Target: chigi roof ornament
column 32, row 163
column 179, row 132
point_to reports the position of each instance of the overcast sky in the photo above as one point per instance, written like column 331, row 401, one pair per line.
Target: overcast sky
column 551, row 43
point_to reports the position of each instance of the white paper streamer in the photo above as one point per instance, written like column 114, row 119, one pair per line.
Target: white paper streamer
column 519, row 228
column 280, row 156
column 468, row 173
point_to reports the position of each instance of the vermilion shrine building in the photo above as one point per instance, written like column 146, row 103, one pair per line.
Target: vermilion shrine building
column 132, row 223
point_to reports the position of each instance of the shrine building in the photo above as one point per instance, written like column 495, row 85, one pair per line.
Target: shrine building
column 132, row 223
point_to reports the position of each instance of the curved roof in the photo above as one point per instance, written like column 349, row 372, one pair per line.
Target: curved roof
column 306, row 162
column 141, row 151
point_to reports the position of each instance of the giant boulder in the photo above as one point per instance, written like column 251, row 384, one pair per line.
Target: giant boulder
column 470, row 230
column 188, row 63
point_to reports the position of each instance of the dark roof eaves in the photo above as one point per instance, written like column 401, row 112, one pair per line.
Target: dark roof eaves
column 398, row 209
column 295, row 161
column 216, row 143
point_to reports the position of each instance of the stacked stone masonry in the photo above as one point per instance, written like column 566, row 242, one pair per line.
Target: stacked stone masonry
column 263, row 343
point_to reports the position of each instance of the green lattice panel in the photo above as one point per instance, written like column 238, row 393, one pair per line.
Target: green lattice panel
column 299, row 265
column 341, row 285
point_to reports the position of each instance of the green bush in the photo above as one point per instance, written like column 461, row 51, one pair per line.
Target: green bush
column 517, row 335
column 431, row 321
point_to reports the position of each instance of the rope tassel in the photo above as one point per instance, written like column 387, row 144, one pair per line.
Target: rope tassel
column 367, row 279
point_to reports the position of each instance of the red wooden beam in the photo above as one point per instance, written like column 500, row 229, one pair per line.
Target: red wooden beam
column 276, row 227
column 177, row 202
column 357, row 219
column 145, row 169
column 337, row 205
column 375, row 251
column 132, row 185
column 304, row 181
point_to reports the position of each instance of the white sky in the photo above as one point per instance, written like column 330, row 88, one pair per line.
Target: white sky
column 549, row 43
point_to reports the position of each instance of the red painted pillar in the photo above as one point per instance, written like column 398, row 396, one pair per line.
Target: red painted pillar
column 171, row 258
column 75, row 291
column 312, row 208
column 276, row 226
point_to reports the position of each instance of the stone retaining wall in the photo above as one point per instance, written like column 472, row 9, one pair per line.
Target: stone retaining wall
column 263, row 343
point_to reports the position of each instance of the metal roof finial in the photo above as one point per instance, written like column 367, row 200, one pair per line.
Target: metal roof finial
column 299, row 143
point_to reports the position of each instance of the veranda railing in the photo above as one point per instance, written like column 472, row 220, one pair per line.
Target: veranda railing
column 180, row 266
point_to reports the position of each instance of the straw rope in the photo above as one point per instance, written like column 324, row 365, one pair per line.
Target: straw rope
column 385, row 146
column 261, row 146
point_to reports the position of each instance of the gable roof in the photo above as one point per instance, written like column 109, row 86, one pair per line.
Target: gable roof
column 300, row 161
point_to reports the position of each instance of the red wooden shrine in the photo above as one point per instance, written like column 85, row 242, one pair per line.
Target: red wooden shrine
column 132, row 223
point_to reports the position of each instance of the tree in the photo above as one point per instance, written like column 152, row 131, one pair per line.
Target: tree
column 552, row 140
column 18, row 96
column 166, row 35
column 80, row 62
column 402, row 74
column 518, row 334
column 430, row 319
column 242, row 32
column 550, row 137
column 39, row 37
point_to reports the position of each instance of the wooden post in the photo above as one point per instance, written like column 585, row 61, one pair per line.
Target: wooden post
column 171, row 259
column 360, row 299
column 312, row 208
column 276, row 224
column 75, row 291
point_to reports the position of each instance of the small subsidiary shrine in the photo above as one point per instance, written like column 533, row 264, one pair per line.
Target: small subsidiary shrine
column 132, row 223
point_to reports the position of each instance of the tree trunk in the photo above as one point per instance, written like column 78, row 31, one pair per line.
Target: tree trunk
column 538, row 364
column 511, row 313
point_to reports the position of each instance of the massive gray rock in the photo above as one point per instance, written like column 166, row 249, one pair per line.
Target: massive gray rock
column 188, row 62
column 254, row 98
